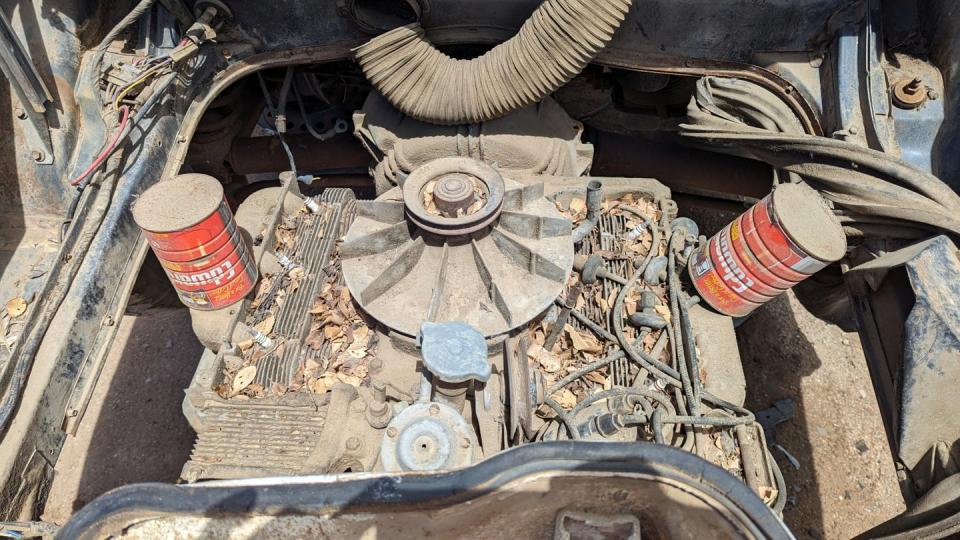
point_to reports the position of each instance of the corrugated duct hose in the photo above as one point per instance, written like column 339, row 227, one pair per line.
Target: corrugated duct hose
column 558, row 40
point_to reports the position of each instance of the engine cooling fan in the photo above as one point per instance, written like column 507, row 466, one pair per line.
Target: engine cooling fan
column 457, row 242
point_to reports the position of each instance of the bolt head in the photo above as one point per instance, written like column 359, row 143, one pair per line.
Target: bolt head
column 36, row 155
column 465, row 443
column 434, row 409
column 909, row 93
column 353, row 443
column 391, row 432
column 20, row 113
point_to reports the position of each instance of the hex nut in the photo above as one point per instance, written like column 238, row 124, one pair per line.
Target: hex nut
column 353, row 443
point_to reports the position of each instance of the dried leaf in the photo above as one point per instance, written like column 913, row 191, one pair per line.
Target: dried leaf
column 361, row 334
column 583, row 342
column 648, row 342
column 16, row 307
column 549, row 362
column 266, row 326
column 578, row 205
column 321, row 385
column 332, row 332
column 357, row 353
column 663, row 311
column 361, row 371
column 315, row 339
column 352, row 380
column 597, row 377
column 565, row 398
column 296, row 276
column 243, row 378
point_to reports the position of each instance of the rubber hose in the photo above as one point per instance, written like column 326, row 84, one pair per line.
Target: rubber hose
column 554, row 45
column 594, row 206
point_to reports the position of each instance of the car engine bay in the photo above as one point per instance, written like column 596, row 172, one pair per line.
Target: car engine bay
column 441, row 258
column 455, row 315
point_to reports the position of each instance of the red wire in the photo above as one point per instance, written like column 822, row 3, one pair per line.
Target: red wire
column 106, row 152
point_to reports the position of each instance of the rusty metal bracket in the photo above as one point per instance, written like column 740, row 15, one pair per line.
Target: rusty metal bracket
column 32, row 93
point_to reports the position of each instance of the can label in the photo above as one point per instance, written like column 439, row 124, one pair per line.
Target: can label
column 195, row 237
column 204, row 262
column 712, row 288
column 768, row 283
column 778, row 242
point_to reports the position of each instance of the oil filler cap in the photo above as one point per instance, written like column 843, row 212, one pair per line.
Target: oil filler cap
column 454, row 352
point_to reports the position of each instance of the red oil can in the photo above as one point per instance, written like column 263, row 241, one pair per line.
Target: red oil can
column 783, row 239
column 188, row 224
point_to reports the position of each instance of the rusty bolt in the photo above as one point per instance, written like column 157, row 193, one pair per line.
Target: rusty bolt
column 36, row 155
column 20, row 113
column 353, row 443
column 909, row 93
column 391, row 432
column 434, row 409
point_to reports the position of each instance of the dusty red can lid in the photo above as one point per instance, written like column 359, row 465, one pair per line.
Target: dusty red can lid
column 805, row 217
column 176, row 204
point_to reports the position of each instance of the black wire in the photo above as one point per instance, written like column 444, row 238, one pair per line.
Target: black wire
column 589, row 368
column 781, row 483
column 564, row 417
column 693, row 404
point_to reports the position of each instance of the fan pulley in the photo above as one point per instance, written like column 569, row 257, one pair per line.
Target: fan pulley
column 457, row 242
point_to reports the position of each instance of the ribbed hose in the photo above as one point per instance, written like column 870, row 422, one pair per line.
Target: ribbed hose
column 552, row 46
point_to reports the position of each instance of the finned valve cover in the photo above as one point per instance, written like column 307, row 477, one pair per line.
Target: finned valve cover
column 457, row 243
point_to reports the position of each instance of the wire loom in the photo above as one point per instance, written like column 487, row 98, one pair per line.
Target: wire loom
column 876, row 194
column 558, row 40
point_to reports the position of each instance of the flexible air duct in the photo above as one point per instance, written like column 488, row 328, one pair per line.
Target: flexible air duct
column 558, row 40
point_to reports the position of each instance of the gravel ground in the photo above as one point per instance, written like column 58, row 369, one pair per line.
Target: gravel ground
column 845, row 483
